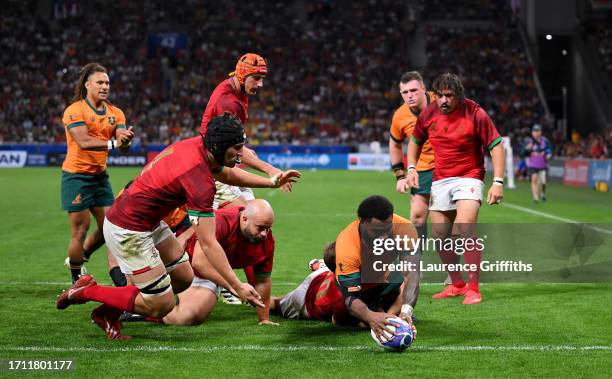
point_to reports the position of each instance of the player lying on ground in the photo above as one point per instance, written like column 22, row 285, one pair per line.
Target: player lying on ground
column 371, row 293
column 245, row 235
column 178, row 222
column 317, row 297
column 144, row 246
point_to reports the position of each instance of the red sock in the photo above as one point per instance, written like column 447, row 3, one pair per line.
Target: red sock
column 122, row 298
column 449, row 257
column 109, row 311
column 472, row 257
column 156, row 320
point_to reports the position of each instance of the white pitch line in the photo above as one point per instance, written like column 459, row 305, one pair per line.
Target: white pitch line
column 556, row 218
column 290, row 348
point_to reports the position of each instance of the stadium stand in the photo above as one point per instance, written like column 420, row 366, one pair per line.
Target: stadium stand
column 332, row 74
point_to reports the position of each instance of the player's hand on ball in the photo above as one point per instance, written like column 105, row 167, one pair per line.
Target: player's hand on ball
column 247, row 293
column 401, row 186
column 380, row 325
column 408, row 319
column 412, row 179
column 496, row 194
column 268, row 322
column 286, row 177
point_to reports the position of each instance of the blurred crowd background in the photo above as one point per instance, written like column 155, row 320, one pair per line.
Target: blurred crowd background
column 333, row 66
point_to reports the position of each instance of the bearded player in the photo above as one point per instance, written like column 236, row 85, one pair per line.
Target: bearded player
column 459, row 130
column 245, row 235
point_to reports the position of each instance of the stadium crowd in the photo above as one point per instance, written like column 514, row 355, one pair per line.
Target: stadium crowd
column 602, row 33
column 333, row 65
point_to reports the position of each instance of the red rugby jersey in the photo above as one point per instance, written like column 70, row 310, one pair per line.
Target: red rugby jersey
column 225, row 98
column 324, row 300
column 179, row 175
column 458, row 139
column 240, row 252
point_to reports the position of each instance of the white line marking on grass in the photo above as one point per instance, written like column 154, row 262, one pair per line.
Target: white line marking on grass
column 553, row 217
column 283, row 348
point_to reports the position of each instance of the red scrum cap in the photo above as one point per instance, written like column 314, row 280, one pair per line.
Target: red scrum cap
column 249, row 64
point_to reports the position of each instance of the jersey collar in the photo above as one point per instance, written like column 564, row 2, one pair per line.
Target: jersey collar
column 99, row 113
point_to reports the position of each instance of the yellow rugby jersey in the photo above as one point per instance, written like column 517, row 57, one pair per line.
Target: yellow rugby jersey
column 100, row 124
column 402, row 125
column 348, row 246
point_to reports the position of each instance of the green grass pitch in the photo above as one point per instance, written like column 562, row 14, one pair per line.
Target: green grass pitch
column 520, row 330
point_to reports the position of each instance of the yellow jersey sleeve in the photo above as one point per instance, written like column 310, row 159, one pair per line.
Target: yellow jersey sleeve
column 73, row 116
column 397, row 133
column 348, row 250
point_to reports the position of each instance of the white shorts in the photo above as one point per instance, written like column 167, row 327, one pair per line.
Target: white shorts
column 247, row 193
column 293, row 304
column 205, row 283
column 445, row 192
column 135, row 251
column 225, row 194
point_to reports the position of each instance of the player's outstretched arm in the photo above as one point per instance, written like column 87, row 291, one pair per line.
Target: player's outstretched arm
column 207, row 271
column 205, row 230
column 238, row 177
column 412, row 157
column 376, row 320
column 264, row 287
column 396, row 156
column 410, row 287
column 250, row 158
column 496, row 192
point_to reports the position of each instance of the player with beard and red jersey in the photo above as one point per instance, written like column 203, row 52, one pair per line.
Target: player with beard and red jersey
column 144, row 246
column 245, row 235
column 459, row 130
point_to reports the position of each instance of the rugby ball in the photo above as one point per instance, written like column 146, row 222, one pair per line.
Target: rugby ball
column 400, row 340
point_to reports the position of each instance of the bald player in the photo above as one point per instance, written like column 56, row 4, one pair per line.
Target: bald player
column 245, row 235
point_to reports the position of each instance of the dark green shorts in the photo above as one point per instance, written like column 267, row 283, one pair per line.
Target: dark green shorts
column 80, row 191
column 424, row 183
